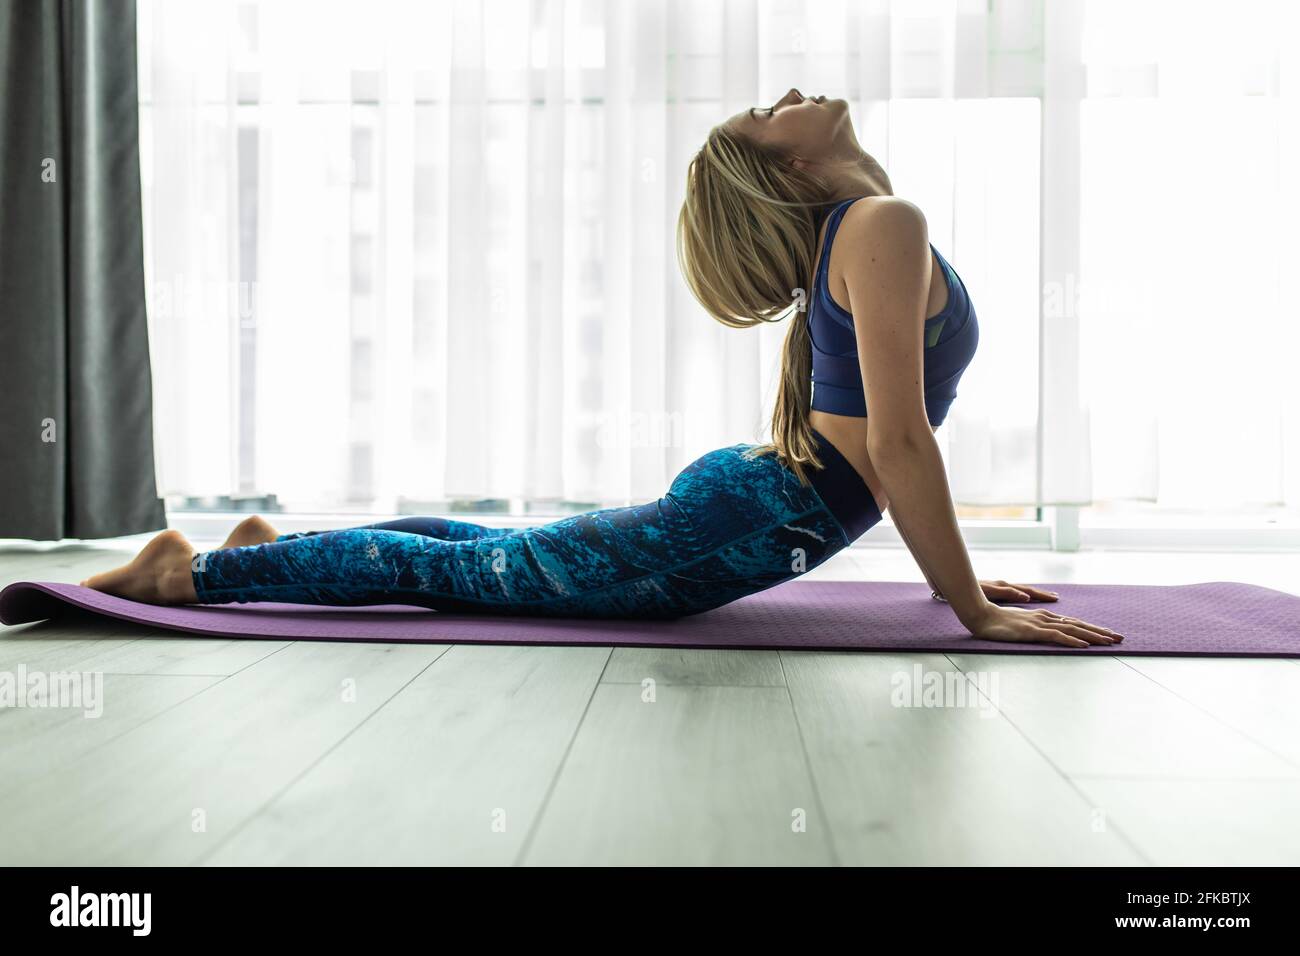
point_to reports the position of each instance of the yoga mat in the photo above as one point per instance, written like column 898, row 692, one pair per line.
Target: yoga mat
column 1220, row 618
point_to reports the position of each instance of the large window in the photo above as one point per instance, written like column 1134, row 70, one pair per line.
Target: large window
column 414, row 257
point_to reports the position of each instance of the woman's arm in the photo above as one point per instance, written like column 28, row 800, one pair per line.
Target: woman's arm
column 902, row 533
column 914, row 478
column 885, row 242
column 934, row 588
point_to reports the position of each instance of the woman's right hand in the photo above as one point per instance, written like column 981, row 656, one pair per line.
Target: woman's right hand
column 1039, row 626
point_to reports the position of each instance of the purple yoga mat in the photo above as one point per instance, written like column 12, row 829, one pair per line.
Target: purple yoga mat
column 1220, row 618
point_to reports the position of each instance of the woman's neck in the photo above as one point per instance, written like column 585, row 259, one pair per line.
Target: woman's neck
column 861, row 176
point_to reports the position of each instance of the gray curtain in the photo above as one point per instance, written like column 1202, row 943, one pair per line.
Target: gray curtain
column 76, row 402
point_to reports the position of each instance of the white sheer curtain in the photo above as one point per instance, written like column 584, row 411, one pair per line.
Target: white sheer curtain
column 1189, row 318
column 404, row 254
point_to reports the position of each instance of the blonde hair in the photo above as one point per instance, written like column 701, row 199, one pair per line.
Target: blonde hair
column 747, row 246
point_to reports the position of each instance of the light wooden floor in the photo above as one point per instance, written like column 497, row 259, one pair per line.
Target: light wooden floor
column 222, row 751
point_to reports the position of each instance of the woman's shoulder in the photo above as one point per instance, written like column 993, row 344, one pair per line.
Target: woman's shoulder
column 874, row 229
column 884, row 217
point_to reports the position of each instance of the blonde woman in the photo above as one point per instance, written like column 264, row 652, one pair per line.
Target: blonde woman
column 785, row 217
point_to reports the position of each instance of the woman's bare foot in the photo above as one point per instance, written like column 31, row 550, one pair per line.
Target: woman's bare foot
column 159, row 574
column 254, row 530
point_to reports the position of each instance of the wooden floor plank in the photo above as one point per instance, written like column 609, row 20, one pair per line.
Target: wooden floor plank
column 1096, row 716
column 1204, row 822
column 675, row 665
column 38, row 741
column 699, row 775
column 54, row 646
column 911, row 776
column 1259, row 698
column 124, row 647
column 155, row 651
column 169, row 790
column 453, row 770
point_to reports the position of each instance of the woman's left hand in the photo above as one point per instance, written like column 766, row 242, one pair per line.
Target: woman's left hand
column 1015, row 593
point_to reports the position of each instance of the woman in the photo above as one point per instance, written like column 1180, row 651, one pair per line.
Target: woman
column 779, row 200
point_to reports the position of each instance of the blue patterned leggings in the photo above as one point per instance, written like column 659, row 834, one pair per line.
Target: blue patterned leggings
column 732, row 523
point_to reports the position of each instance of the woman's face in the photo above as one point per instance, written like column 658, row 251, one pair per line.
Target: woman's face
column 809, row 129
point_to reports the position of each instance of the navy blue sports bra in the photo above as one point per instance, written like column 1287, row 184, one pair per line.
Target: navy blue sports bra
column 951, row 338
